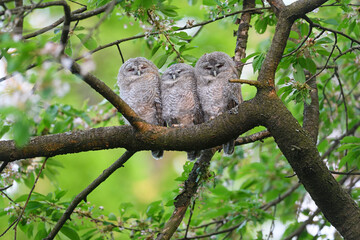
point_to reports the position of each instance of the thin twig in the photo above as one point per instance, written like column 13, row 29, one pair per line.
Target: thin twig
column 259, row 136
column 254, row 83
column 191, row 213
column 15, row 223
column 53, row 25
column 121, row 55
column 337, row 140
column 298, row 231
column 327, row 61
column 331, row 30
column 301, row 44
column 84, row 193
column 182, row 201
column 254, row 10
column 347, row 51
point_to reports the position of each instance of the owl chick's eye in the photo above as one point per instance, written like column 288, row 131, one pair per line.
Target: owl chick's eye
column 208, row 68
column 143, row 67
column 219, row 65
column 131, row 69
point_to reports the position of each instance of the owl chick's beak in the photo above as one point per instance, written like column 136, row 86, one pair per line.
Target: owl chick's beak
column 173, row 76
column 138, row 73
column 215, row 73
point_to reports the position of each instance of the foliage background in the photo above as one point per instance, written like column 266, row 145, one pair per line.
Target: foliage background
column 257, row 172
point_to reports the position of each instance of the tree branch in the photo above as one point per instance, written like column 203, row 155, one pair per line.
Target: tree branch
column 84, row 193
column 337, row 141
column 242, row 35
column 112, row 97
column 182, row 201
column 207, row 135
column 311, row 111
column 301, row 229
column 16, row 222
column 253, row 10
column 66, row 25
column 253, row 138
column 53, row 25
column 280, row 198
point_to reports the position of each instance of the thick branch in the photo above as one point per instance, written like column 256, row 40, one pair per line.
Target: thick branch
column 311, row 111
column 82, row 196
column 207, row 135
column 301, row 152
column 111, row 96
column 286, row 17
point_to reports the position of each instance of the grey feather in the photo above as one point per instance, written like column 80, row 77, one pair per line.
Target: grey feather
column 179, row 98
column 139, row 83
column 216, row 94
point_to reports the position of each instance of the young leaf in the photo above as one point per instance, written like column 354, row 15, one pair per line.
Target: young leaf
column 162, row 60
column 70, row 233
column 87, row 41
column 298, row 73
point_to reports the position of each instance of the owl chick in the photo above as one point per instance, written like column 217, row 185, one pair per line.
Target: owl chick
column 179, row 98
column 213, row 72
column 139, row 83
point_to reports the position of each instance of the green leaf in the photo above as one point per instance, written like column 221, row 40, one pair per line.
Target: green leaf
column 310, row 65
column 261, row 24
column 32, row 205
column 258, row 61
column 112, row 217
column 168, row 10
column 249, row 56
column 189, row 58
column 220, row 191
column 4, row 129
column 155, row 210
column 70, row 233
column 331, row 21
column 350, row 139
column 155, row 49
column 162, row 60
column 182, row 35
column 294, row 35
column 87, row 41
column 346, row 147
column 59, row 194
column 21, row 131
column 298, row 73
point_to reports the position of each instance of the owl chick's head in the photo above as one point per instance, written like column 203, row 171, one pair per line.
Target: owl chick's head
column 137, row 67
column 175, row 71
column 215, row 63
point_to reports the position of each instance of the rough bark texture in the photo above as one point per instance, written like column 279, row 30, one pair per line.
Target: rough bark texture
column 311, row 111
column 301, row 152
column 188, row 138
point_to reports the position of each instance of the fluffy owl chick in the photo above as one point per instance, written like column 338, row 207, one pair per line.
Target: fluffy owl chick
column 213, row 72
column 179, row 98
column 139, row 83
